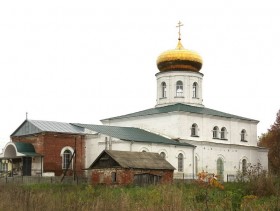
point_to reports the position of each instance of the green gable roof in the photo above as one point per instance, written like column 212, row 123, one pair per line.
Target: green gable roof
column 29, row 127
column 131, row 134
column 179, row 107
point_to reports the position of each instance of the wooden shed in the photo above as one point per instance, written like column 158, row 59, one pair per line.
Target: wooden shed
column 123, row 168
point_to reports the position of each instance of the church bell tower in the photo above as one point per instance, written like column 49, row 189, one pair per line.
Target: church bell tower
column 179, row 79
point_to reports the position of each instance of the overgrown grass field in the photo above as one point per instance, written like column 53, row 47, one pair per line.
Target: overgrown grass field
column 175, row 197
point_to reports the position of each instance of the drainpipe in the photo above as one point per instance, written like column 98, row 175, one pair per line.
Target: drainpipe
column 193, row 162
column 110, row 143
column 131, row 145
column 41, row 166
column 106, row 140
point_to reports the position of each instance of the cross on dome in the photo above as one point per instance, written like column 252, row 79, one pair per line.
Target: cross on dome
column 179, row 26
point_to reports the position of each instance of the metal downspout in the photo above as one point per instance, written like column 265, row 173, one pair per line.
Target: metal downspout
column 193, row 162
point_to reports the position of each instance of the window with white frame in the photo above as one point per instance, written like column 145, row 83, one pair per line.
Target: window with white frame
column 243, row 135
column 180, row 162
column 194, row 130
column 163, row 90
column 179, row 89
column 195, row 90
column 215, row 132
column 223, row 133
column 66, row 157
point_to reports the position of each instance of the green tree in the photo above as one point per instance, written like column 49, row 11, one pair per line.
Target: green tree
column 271, row 140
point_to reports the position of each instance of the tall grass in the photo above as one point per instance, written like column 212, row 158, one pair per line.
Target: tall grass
column 177, row 197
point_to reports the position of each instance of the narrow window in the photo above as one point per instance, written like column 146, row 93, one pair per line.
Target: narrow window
column 194, row 130
column 163, row 90
column 114, row 177
column 244, row 166
column 180, row 162
column 179, row 89
column 66, row 159
column 223, row 133
column 220, row 169
column 243, row 135
column 215, row 132
column 162, row 154
column 195, row 88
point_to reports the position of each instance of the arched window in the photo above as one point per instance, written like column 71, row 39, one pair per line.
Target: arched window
column 180, row 162
column 243, row 135
column 144, row 149
column 163, row 155
column 215, row 132
column 220, row 169
column 179, row 89
column 163, row 90
column 195, row 90
column 223, row 133
column 66, row 157
column 194, row 130
column 244, row 166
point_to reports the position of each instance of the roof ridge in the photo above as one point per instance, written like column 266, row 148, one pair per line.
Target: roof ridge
column 183, row 108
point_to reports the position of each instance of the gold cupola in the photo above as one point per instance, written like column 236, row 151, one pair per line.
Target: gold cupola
column 179, row 58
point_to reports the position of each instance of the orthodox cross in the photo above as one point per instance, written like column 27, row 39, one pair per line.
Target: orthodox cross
column 179, row 26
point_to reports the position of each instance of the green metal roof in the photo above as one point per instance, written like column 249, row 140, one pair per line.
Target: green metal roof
column 26, row 149
column 179, row 107
column 131, row 134
column 37, row 126
column 29, row 127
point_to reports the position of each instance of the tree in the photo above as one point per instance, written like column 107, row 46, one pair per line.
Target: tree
column 271, row 140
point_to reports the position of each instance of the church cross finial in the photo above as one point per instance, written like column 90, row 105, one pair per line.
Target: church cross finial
column 179, row 26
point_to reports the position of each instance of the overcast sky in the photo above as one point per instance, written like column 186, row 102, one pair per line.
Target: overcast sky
column 82, row 61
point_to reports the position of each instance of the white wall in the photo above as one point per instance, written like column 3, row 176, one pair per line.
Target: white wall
column 232, row 150
column 95, row 144
column 188, row 78
column 231, row 155
column 178, row 125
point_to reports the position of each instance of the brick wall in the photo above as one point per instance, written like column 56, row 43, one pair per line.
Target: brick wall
column 126, row 176
column 50, row 145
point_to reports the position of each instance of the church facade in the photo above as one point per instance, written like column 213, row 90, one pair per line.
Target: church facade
column 224, row 143
column 190, row 136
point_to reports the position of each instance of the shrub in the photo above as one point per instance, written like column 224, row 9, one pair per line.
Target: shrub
column 260, row 183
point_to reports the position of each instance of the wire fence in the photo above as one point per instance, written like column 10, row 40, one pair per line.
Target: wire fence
column 40, row 179
column 189, row 177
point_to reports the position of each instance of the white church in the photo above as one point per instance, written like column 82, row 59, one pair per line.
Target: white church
column 190, row 136
column 216, row 142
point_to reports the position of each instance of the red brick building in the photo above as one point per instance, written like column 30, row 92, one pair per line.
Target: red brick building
column 60, row 146
column 123, row 168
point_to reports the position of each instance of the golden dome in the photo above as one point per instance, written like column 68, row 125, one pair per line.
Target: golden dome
column 179, row 59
